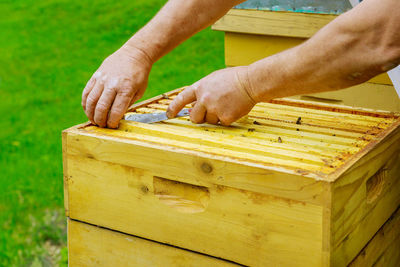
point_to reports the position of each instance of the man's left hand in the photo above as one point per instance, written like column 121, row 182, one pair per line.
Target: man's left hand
column 222, row 97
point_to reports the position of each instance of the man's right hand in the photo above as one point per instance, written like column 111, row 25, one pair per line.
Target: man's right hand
column 119, row 82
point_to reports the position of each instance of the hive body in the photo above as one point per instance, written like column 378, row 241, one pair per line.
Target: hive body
column 294, row 184
column 251, row 35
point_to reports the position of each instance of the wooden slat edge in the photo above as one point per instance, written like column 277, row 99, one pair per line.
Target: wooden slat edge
column 174, row 254
column 65, row 172
column 336, row 108
column 64, row 135
column 383, row 238
column 153, row 99
column 276, row 23
column 327, row 242
column 318, row 176
column 355, row 159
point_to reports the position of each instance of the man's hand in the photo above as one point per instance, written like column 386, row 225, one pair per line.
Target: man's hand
column 119, row 82
column 122, row 78
column 223, row 96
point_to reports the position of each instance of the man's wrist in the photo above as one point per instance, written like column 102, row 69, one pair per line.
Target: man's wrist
column 138, row 53
column 245, row 84
column 256, row 86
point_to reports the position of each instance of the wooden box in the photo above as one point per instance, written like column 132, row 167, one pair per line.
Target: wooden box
column 251, row 35
column 91, row 245
column 295, row 184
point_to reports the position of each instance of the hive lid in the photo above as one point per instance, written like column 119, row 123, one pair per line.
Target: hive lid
column 298, row 137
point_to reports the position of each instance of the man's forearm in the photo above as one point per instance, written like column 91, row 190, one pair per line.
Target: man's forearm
column 350, row 50
column 175, row 22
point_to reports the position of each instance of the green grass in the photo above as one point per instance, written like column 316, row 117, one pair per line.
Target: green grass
column 49, row 49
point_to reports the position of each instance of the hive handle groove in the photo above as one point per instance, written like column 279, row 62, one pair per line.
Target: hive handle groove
column 375, row 184
column 182, row 197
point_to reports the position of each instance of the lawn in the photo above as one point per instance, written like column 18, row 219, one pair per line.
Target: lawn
column 48, row 50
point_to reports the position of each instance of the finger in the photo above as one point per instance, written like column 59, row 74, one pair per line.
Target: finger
column 198, row 113
column 185, row 97
column 227, row 119
column 193, row 104
column 137, row 96
column 211, row 118
column 92, row 99
column 86, row 91
column 103, row 106
column 120, row 105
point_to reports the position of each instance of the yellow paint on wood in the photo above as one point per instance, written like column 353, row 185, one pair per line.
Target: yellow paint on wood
column 272, row 23
column 242, row 226
column 235, row 192
column 384, row 248
column 364, row 197
column 65, row 168
column 255, row 140
column 244, row 49
column 251, row 35
column 188, row 166
column 98, row 247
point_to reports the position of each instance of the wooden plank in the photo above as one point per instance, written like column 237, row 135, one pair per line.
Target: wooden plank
column 225, row 140
column 260, row 135
column 272, row 23
column 228, row 136
column 65, row 171
column 263, row 130
column 235, row 144
column 196, row 167
column 391, row 257
column 98, row 247
column 337, row 108
column 245, row 49
column 293, row 114
column 289, row 125
column 256, row 156
column 155, row 99
column 320, row 137
column 359, row 209
column 323, row 114
column 242, row 226
column 384, row 248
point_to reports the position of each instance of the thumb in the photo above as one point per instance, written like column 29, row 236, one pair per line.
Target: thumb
column 185, row 97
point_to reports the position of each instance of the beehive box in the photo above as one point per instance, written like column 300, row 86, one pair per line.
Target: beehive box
column 296, row 184
column 384, row 248
column 96, row 246
column 251, row 35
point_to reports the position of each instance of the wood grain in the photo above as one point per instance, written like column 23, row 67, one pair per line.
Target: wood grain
column 316, row 198
column 355, row 217
column 272, row 23
column 93, row 246
column 242, row 226
column 384, row 248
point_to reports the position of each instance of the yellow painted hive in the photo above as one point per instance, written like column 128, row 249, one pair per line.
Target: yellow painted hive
column 294, row 184
column 251, row 35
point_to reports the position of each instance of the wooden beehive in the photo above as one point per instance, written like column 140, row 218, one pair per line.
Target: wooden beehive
column 295, row 184
column 251, row 35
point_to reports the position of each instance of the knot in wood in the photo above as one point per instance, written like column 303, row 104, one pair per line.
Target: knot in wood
column 206, row 168
column 144, row 189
